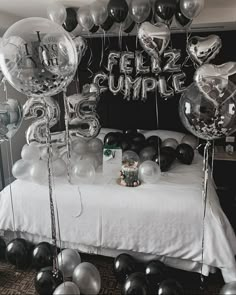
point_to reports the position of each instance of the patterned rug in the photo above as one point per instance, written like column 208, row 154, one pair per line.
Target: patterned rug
column 19, row 282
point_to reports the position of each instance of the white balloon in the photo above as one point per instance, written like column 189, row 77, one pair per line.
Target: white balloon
column 30, row 152
column 57, row 13
column 149, row 172
column 68, row 259
column 59, row 168
column 39, row 172
column 82, row 172
column 80, row 146
column 21, row 169
column 67, row 288
column 95, row 145
column 91, row 159
column 44, row 153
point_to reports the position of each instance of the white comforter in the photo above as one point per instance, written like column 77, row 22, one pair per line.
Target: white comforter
column 163, row 219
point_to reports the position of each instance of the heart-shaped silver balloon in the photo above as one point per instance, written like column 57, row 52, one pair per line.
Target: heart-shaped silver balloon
column 203, row 49
column 154, row 38
column 10, row 118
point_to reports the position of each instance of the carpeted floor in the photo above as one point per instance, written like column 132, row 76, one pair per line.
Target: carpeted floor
column 17, row 282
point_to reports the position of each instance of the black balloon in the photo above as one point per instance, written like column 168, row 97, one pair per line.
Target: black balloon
column 165, row 159
column 124, row 265
column 42, row 255
column 46, row 281
column 130, row 28
column 18, row 253
column 181, row 19
column 154, row 141
column 111, row 138
column 107, row 24
column 137, row 146
column 125, row 144
column 118, row 10
column 2, row 248
column 131, row 131
column 136, row 137
column 185, row 153
column 71, row 20
column 170, row 287
column 136, row 284
column 165, row 9
column 155, row 273
column 94, row 29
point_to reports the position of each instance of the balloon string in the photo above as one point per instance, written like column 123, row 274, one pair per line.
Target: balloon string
column 102, row 52
column 212, row 159
column 120, row 37
column 68, row 143
column 52, row 212
column 157, row 122
column 204, row 195
column 81, row 204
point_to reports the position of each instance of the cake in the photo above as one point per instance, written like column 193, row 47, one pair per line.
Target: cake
column 129, row 174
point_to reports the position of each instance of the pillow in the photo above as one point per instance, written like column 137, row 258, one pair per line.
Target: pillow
column 164, row 134
column 104, row 131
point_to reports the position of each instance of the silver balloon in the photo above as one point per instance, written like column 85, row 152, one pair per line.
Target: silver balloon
column 59, row 168
column 149, row 172
column 228, row 289
column 39, row 172
column 84, row 17
column 30, row 152
column 203, row 49
column 154, row 38
column 209, row 116
column 113, row 59
column 115, row 89
column 82, row 172
column 21, row 169
column 67, row 288
column 11, row 115
column 95, row 145
column 68, row 260
column 125, row 62
column 148, row 84
column 130, row 156
column 134, row 84
column 139, row 64
column 172, row 55
column 170, row 142
column 139, row 10
column 81, row 47
column 191, row 8
column 57, row 12
column 87, row 278
column 163, row 89
column 147, row 153
column 100, row 77
column 156, row 66
column 36, row 108
column 190, row 140
column 179, row 82
column 99, row 12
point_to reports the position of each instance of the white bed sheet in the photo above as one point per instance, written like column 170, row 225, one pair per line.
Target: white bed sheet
column 163, row 219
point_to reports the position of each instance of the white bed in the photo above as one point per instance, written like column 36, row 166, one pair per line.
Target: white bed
column 162, row 220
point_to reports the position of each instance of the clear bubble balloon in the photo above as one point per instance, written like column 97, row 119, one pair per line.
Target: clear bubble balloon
column 30, row 152
column 21, row 169
column 59, row 168
column 68, row 259
column 82, row 172
column 191, row 8
column 99, row 12
column 44, row 155
column 10, row 118
column 92, row 159
column 67, row 288
column 95, row 145
column 56, row 12
column 84, row 18
column 80, row 146
column 149, row 172
column 38, row 57
column 130, row 156
column 39, row 172
column 209, row 112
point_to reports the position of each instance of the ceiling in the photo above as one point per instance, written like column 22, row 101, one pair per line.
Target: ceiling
column 216, row 12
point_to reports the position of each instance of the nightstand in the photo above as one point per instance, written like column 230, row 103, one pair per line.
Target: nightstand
column 224, row 174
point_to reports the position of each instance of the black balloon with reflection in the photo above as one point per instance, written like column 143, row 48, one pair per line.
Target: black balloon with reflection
column 165, row 159
column 137, row 137
column 124, row 265
column 118, row 10
column 137, row 146
column 147, row 153
column 18, row 253
column 46, row 281
column 185, row 153
column 136, row 284
column 181, row 19
column 2, row 248
column 71, row 20
column 154, row 140
column 130, row 131
column 170, row 287
column 125, row 144
column 156, row 272
column 107, row 24
column 42, row 255
column 111, row 138
column 165, row 9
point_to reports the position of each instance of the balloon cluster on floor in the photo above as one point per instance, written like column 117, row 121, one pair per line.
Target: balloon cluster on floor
column 152, row 154
column 143, row 279
column 74, row 277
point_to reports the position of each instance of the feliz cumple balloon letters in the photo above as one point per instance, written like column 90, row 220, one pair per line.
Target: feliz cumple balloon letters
column 132, row 82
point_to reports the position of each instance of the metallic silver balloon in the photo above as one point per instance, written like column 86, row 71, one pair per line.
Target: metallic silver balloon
column 139, row 10
column 68, row 260
column 163, row 88
column 170, row 142
column 67, row 288
column 209, row 116
column 113, row 59
column 56, row 12
column 125, row 62
column 154, row 38
column 178, row 82
column 139, row 64
column 134, row 84
column 172, row 55
column 36, row 108
column 11, row 115
column 84, row 18
column 99, row 12
column 115, row 89
column 203, row 49
column 149, row 172
column 228, row 289
column 191, row 8
column 148, row 84
column 87, row 278
column 81, row 47
column 100, row 77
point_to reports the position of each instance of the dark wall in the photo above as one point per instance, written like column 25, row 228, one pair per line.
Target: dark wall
column 114, row 111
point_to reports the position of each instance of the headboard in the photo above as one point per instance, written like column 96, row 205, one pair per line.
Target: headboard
column 114, row 111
